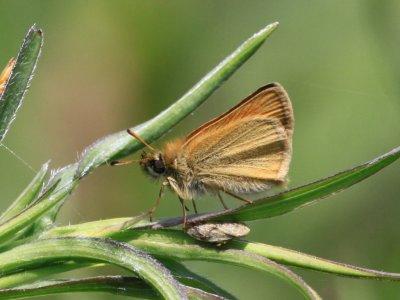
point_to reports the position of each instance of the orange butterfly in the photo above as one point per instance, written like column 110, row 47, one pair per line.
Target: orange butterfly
column 245, row 150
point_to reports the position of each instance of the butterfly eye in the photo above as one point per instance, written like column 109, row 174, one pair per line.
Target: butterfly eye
column 158, row 166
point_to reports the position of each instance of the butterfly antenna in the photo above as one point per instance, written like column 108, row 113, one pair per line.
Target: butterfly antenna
column 136, row 136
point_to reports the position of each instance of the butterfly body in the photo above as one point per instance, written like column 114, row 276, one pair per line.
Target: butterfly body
column 175, row 172
column 246, row 150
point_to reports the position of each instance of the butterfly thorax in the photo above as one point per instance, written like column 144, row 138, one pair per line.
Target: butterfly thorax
column 181, row 173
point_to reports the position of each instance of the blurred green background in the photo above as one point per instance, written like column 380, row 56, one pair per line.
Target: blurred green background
column 107, row 65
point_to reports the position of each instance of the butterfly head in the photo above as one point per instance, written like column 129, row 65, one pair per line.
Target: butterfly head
column 153, row 164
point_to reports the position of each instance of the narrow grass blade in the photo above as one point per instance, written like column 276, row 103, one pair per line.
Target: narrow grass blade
column 193, row 283
column 198, row 294
column 287, row 201
column 189, row 278
column 290, row 200
column 302, row 260
column 254, row 261
column 20, row 78
column 35, row 274
column 65, row 177
column 121, row 144
column 27, row 196
column 117, row 285
column 178, row 245
column 46, row 251
column 101, row 228
column 39, row 208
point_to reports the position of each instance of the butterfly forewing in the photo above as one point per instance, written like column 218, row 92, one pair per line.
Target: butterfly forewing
column 247, row 149
column 270, row 100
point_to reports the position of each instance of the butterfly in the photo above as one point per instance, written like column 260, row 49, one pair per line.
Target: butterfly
column 246, row 150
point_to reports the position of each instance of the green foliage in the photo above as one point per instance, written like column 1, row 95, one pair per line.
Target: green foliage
column 30, row 193
column 118, row 285
column 20, row 78
column 44, row 251
column 33, row 249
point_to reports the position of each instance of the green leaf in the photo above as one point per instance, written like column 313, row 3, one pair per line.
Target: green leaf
column 27, row 196
column 121, row 144
column 189, row 278
column 290, row 200
column 100, row 228
column 285, row 202
column 243, row 258
column 118, row 285
column 194, row 283
column 302, row 260
column 65, row 177
column 43, row 252
column 198, row 294
column 39, row 208
column 31, row 275
column 20, row 78
column 177, row 245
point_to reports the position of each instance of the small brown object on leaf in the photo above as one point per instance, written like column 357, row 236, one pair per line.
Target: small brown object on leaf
column 216, row 232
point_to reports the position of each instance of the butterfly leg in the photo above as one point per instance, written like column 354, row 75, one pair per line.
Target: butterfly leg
column 194, row 206
column 222, row 201
column 160, row 194
column 238, row 197
column 183, row 212
column 181, row 195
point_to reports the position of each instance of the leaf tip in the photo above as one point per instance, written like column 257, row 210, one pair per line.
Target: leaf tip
column 267, row 30
column 35, row 30
column 46, row 165
column 275, row 24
